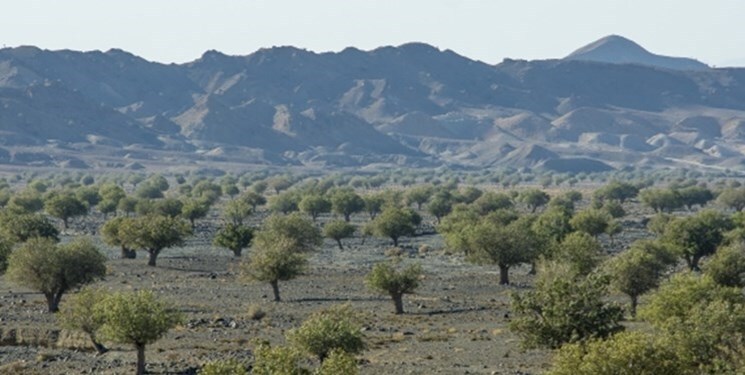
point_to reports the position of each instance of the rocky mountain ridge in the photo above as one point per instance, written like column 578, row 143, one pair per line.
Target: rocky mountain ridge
column 412, row 105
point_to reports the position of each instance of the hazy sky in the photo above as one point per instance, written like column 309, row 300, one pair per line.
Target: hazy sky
column 488, row 30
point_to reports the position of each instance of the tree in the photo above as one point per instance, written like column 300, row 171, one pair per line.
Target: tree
column 346, row 202
column 616, row 191
column 695, row 195
column 127, row 205
column 384, row 278
column 419, row 195
column 88, row 195
column 78, row 314
column 279, row 183
column 501, row 244
column 661, row 200
column 40, row 264
column 113, row 237
column 625, row 353
column 170, row 207
column 591, row 221
column 300, row 232
column 234, row 237
column 236, row 211
column 193, row 209
column 253, row 199
column 696, row 236
column 439, row 206
column 335, row 328
column 5, row 249
column 22, row 227
column 223, row 367
column 285, row 202
column 638, row 269
column 727, row 266
column 153, row 233
column 27, row 202
column 533, row 198
column 64, row 206
column 491, row 201
column 273, row 262
column 338, row 230
column 733, row 198
column 553, row 224
column 454, row 224
column 701, row 320
column 314, row 205
column 563, row 309
column 339, row 362
column 373, row 204
column 136, row 318
column 581, row 251
column 395, row 222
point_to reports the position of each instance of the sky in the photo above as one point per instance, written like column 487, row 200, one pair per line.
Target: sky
column 487, row 30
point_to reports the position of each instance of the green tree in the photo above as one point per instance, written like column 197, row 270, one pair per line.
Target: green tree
column 113, row 237
column 502, row 244
column 40, row 264
column 727, row 265
column 223, row 367
column 127, row 205
column 695, row 195
column 153, row 233
column 533, row 198
column 491, row 201
column 616, row 191
column 314, row 205
column 285, row 202
column 78, row 314
column 639, row 269
column 439, row 206
column 234, row 237
column 236, row 211
column 373, row 204
column 338, row 230
column 302, row 234
column 273, row 262
column 553, row 224
column 334, row 328
column 384, row 278
column 562, row 309
column 338, row 362
column 26, row 202
column 581, row 251
column 591, row 221
column 193, row 209
column 419, row 195
column 346, row 202
column 22, row 227
column 65, row 206
column 733, row 198
column 661, row 200
column 136, row 318
column 625, row 353
column 696, row 236
column 395, row 222
column 253, row 199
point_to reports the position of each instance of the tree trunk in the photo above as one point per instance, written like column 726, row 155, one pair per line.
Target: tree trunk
column 398, row 302
column 237, row 252
column 127, row 253
column 153, row 256
column 338, row 242
column 64, row 222
column 140, row 359
column 193, row 224
column 53, row 300
column 395, row 241
column 100, row 349
column 275, row 290
column 504, row 274
column 347, row 217
column 634, row 303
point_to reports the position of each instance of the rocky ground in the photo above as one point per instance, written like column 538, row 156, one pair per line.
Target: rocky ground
column 457, row 323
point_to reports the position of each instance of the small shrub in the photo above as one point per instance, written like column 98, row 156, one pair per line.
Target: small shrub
column 225, row 367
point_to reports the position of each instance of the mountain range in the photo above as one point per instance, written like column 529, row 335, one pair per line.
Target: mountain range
column 610, row 104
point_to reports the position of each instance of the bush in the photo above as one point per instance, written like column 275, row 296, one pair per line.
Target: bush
column 337, row 328
column 226, row 367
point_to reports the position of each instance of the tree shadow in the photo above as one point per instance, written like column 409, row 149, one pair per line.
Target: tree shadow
column 338, row 299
